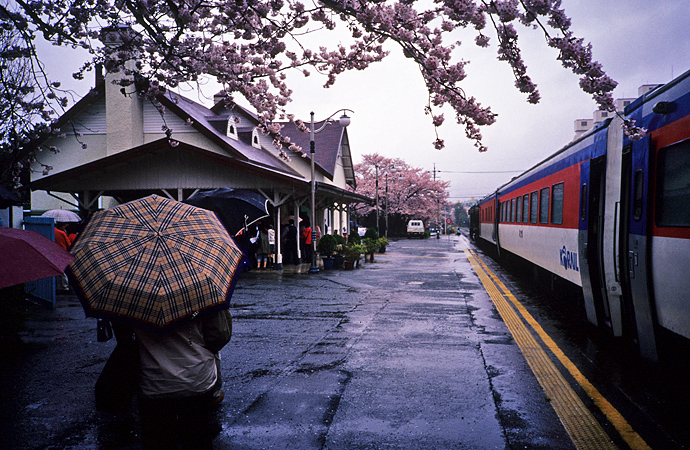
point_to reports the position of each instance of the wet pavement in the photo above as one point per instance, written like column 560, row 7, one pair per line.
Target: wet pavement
column 407, row 352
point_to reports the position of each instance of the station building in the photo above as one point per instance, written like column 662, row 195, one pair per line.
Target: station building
column 111, row 147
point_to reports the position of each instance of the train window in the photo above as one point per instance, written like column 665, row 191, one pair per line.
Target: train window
column 544, row 205
column 557, row 204
column 512, row 210
column 525, row 208
column 583, row 202
column 674, row 186
column 533, row 207
column 638, row 192
column 518, row 206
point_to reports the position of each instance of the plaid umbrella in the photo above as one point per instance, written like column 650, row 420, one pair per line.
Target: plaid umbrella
column 154, row 262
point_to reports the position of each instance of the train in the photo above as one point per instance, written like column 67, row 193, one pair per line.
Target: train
column 610, row 215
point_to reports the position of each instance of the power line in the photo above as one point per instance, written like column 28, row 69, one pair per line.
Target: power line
column 491, row 171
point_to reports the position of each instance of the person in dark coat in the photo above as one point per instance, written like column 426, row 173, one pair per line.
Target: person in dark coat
column 290, row 243
column 263, row 248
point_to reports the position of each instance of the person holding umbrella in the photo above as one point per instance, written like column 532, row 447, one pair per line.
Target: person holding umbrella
column 63, row 240
column 177, row 378
column 166, row 270
column 61, row 237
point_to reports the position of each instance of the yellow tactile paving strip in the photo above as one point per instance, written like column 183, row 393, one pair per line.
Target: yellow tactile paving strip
column 584, row 430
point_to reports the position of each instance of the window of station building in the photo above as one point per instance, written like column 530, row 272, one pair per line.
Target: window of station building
column 673, row 193
column 525, row 208
column 518, row 213
column 544, row 205
column 533, row 207
column 557, row 204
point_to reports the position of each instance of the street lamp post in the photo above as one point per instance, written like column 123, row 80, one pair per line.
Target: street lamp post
column 386, row 234
column 344, row 121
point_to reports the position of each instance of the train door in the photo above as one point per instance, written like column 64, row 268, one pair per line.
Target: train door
column 639, row 314
column 590, row 226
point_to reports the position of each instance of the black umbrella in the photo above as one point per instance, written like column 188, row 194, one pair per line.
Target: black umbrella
column 8, row 198
column 236, row 208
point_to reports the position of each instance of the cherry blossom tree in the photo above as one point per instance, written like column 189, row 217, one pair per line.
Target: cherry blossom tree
column 248, row 46
column 412, row 192
column 22, row 106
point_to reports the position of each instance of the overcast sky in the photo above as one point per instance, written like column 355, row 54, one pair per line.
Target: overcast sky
column 638, row 42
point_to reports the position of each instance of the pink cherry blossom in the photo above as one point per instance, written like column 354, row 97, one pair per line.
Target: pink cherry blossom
column 249, row 45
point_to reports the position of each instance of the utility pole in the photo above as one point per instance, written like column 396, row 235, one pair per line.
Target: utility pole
column 438, row 236
column 377, row 200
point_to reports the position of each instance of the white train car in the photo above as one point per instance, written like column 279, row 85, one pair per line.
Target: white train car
column 611, row 216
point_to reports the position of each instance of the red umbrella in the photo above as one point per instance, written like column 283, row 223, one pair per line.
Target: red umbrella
column 28, row 256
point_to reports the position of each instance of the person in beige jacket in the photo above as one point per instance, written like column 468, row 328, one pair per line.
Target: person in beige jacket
column 178, row 377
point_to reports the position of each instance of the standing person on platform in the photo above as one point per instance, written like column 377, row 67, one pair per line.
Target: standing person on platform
column 290, row 241
column 61, row 237
column 263, row 248
column 271, row 245
column 178, row 380
column 306, row 242
column 63, row 240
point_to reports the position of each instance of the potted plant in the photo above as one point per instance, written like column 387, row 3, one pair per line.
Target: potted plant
column 326, row 248
column 383, row 243
column 370, row 247
column 351, row 254
column 340, row 244
column 370, row 242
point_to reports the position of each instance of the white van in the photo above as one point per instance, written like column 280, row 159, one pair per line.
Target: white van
column 415, row 228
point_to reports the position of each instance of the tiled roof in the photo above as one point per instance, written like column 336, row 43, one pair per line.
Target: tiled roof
column 327, row 143
column 213, row 125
